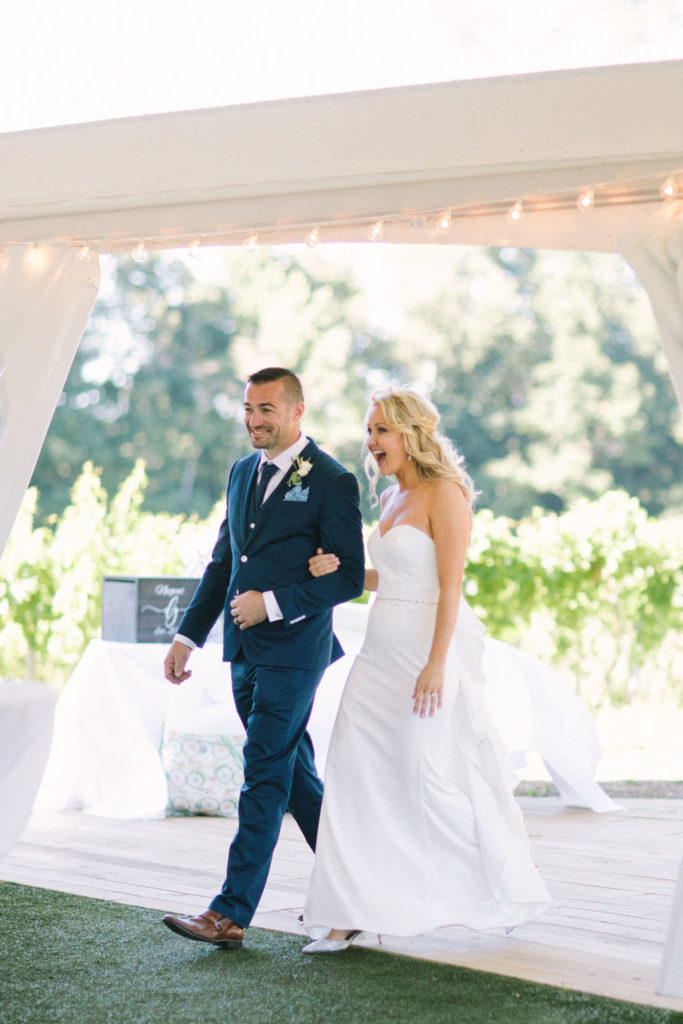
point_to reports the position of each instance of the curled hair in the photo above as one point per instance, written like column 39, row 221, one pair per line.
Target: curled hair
column 290, row 381
column 417, row 420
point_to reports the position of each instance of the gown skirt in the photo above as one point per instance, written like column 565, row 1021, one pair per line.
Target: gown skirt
column 419, row 827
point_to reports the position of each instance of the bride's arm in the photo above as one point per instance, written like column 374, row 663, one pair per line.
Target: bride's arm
column 450, row 520
column 371, row 579
column 371, row 575
column 320, row 565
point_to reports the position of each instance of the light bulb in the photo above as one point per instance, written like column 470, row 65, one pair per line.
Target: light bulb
column 139, row 253
column 84, row 253
column 194, row 246
column 668, row 189
column 376, row 231
column 250, row 243
column 514, row 214
column 313, row 237
column 586, row 199
column 36, row 257
column 443, row 222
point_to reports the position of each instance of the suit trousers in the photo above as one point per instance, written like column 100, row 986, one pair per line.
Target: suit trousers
column 274, row 705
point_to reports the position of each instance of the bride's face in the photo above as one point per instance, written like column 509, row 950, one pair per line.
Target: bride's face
column 385, row 444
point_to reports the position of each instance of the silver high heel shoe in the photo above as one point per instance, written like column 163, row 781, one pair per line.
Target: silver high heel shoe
column 330, row 945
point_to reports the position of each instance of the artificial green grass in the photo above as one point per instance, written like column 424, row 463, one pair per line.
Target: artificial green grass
column 71, row 959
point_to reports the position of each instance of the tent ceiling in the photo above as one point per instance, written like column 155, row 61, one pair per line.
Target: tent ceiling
column 340, row 161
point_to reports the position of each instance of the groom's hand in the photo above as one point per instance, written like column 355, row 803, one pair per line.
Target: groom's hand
column 175, row 662
column 248, row 609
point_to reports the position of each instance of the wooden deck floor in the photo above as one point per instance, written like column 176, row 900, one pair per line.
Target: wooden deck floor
column 611, row 878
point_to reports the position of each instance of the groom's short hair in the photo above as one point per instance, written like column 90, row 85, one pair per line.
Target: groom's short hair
column 290, row 381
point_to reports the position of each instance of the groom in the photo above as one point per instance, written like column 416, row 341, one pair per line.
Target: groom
column 283, row 502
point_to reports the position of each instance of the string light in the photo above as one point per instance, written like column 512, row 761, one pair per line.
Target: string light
column 586, row 199
column 668, row 189
column 376, row 231
column 514, row 214
column 637, row 192
column 313, row 237
column 250, row 243
column 36, row 256
column 443, row 222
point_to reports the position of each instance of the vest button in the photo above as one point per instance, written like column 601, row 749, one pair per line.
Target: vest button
column 243, row 558
column 252, row 525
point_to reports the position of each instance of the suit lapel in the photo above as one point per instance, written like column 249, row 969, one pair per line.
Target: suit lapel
column 246, row 496
column 275, row 499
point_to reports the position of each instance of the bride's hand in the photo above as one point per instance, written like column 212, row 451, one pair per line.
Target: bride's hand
column 321, row 565
column 428, row 693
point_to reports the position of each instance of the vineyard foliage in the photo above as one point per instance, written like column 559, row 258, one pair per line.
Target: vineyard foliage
column 595, row 590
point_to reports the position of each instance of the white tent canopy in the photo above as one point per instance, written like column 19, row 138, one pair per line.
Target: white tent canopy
column 341, row 161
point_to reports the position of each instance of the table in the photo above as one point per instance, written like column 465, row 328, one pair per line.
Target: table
column 110, row 721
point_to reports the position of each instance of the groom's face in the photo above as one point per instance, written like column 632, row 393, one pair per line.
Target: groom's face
column 272, row 420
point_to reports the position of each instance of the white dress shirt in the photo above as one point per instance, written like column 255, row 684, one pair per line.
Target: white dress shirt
column 283, row 461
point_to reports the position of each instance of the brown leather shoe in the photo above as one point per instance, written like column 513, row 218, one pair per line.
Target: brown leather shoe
column 207, row 927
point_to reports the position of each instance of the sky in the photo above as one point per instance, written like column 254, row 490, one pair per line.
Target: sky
column 84, row 60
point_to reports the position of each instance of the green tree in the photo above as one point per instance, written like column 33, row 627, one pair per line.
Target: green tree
column 154, row 378
column 552, row 381
column 545, row 365
column 159, row 373
column 311, row 315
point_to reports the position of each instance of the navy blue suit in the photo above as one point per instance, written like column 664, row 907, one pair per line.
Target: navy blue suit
column 276, row 666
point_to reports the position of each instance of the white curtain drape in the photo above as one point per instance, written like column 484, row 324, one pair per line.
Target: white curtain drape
column 654, row 248
column 655, row 251
column 26, row 717
column 46, row 294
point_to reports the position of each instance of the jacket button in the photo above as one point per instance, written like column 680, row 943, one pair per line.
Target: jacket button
column 243, row 558
column 252, row 525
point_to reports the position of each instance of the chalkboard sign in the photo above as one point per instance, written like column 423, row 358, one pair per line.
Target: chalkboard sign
column 161, row 605
column 144, row 609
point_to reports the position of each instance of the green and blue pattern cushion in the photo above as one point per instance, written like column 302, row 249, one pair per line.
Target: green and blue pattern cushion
column 204, row 773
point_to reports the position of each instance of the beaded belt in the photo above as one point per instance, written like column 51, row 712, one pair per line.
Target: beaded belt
column 406, row 600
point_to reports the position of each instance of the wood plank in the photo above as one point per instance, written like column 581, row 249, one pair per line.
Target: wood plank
column 611, row 877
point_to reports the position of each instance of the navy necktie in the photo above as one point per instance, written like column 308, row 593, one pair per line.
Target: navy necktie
column 266, row 475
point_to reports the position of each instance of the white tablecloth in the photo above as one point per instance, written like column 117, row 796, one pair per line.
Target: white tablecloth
column 110, row 720
column 111, row 715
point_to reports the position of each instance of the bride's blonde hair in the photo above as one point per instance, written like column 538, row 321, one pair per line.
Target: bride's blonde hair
column 417, row 419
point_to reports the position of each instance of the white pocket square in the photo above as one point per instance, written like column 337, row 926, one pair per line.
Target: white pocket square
column 297, row 493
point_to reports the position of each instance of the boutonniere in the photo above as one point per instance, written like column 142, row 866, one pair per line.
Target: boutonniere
column 301, row 467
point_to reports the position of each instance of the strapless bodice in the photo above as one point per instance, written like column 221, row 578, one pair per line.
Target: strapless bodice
column 405, row 559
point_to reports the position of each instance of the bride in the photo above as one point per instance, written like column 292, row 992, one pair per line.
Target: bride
column 419, row 828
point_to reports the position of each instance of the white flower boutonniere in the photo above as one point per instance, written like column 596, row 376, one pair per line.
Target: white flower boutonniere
column 301, row 468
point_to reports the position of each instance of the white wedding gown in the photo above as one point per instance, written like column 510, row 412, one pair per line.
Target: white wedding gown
column 419, row 828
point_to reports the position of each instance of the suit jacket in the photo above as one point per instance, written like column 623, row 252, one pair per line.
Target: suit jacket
column 268, row 549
